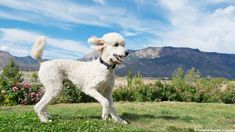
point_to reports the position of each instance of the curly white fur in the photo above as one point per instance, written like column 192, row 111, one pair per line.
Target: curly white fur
column 93, row 78
column 38, row 47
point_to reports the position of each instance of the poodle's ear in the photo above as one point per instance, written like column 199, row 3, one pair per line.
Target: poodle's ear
column 96, row 43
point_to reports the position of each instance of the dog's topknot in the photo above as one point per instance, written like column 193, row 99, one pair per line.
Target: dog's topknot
column 109, row 38
column 113, row 37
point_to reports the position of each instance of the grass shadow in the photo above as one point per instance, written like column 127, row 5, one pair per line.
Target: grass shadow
column 185, row 118
column 61, row 117
column 168, row 117
column 129, row 117
column 134, row 117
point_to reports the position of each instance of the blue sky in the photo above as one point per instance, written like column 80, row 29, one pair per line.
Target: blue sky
column 208, row 25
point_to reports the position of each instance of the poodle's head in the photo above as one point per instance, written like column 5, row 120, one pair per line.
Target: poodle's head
column 111, row 47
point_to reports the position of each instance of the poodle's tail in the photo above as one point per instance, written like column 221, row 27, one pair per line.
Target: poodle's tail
column 38, row 47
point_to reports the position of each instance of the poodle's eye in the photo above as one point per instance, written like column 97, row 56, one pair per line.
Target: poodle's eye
column 116, row 44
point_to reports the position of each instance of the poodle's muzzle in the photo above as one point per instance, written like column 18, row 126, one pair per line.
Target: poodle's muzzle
column 120, row 58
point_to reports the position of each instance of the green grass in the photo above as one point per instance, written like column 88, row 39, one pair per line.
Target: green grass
column 159, row 116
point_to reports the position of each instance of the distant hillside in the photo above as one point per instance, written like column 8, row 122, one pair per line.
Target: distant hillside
column 155, row 62
column 25, row 63
column 162, row 62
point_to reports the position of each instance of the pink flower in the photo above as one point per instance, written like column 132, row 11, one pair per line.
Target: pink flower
column 15, row 89
column 27, row 85
column 32, row 94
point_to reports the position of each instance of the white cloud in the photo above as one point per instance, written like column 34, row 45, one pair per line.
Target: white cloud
column 14, row 35
column 195, row 24
column 4, row 47
column 129, row 33
column 65, row 14
column 19, row 42
column 180, row 11
column 49, row 12
column 194, row 27
column 229, row 10
column 62, row 13
column 68, row 45
column 14, row 50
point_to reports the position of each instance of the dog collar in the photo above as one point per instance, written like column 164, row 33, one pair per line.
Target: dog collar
column 106, row 64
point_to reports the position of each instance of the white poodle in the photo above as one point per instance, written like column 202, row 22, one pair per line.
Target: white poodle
column 95, row 78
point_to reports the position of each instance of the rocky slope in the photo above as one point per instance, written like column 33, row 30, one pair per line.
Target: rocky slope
column 162, row 62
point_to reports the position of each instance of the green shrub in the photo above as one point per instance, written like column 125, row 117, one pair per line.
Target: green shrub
column 10, row 76
column 14, row 91
column 137, row 82
column 124, row 94
column 1, row 97
column 140, row 90
column 209, row 90
column 189, row 87
column 191, row 77
column 129, row 79
column 34, row 77
column 192, row 87
column 178, row 78
column 147, row 93
column 228, row 95
column 23, row 93
column 167, row 92
column 128, row 93
column 141, row 93
column 72, row 94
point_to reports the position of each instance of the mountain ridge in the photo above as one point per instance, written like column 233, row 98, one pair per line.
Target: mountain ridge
column 156, row 62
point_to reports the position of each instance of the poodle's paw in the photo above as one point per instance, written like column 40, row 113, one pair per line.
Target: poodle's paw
column 105, row 116
column 45, row 120
column 119, row 120
column 124, row 122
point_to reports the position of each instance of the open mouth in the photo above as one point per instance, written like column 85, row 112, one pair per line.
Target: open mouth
column 119, row 58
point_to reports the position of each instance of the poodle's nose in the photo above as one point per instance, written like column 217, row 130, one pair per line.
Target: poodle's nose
column 126, row 53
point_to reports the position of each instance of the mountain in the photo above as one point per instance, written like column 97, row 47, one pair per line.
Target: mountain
column 162, row 62
column 156, row 62
column 25, row 63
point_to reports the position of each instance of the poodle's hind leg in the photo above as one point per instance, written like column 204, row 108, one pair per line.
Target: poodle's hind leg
column 52, row 91
column 46, row 113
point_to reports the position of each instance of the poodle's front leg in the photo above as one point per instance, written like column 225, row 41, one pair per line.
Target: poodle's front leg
column 108, row 94
column 113, row 112
column 102, row 100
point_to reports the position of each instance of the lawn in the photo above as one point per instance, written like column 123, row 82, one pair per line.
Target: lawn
column 143, row 116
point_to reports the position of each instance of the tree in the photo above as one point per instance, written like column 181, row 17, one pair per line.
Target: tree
column 129, row 78
column 10, row 76
column 192, row 76
column 34, row 77
column 178, row 77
